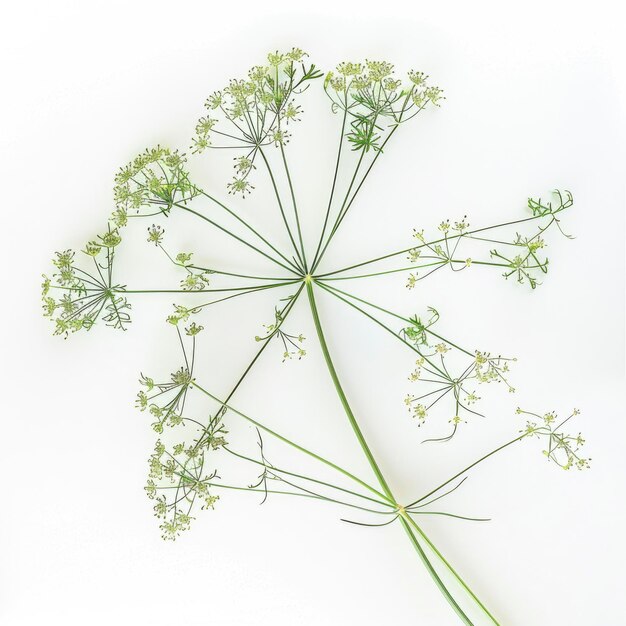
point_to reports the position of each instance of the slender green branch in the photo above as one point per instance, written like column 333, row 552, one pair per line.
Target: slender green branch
column 463, row 471
column 249, row 227
column 223, row 273
column 289, row 441
column 333, row 291
column 467, row 234
column 243, row 241
column 333, row 229
column 282, row 210
column 332, row 190
column 273, row 468
column 295, row 207
column 394, row 271
column 392, row 314
column 188, row 291
column 356, row 191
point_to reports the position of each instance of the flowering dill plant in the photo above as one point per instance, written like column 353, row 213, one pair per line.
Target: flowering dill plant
column 254, row 119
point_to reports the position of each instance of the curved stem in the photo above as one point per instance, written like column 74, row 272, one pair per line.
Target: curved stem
column 342, row 396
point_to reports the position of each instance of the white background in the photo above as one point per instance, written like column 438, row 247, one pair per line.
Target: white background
column 534, row 101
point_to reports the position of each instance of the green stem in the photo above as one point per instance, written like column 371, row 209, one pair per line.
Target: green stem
column 343, row 204
column 250, row 228
column 243, row 241
column 280, row 206
column 295, row 206
column 400, row 269
column 332, row 190
column 222, row 273
column 343, row 211
column 289, row 441
column 456, row 575
column 463, row 471
column 273, row 469
column 468, row 234
column 189, row 291
column 333, row 291
column 342, row 396
column 405, row 520
column 388, row 312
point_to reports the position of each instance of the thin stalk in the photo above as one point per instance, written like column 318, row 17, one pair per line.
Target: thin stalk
column 343, row 211
column 395, row 271
column 284, row 313
column 272, row 469
column 396, row 315
column 222, row 273
column 343, row 204
column 289, row 442
column 279, row 492
column 384, row 326
column 243, row 241
column 469, row 467
column 188, row 291
column 467, row 234
column 250, row 228
column 332, row 190
column 280, row 206
column 190, row 267
column 295, row 206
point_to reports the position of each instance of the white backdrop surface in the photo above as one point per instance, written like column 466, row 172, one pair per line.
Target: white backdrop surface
column 534, row 102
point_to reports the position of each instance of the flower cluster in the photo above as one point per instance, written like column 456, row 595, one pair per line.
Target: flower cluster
column 85, row 296
column 433, row 371
column 561, row 448
column 155, row 178
column 292, row 344
column 370, row 94
column 521, row 258
column 254, row 112
column 182, row 314
column 196, row 279
column 178, row 476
